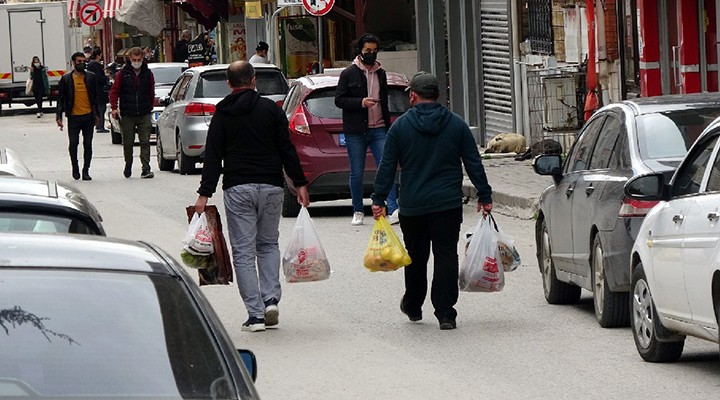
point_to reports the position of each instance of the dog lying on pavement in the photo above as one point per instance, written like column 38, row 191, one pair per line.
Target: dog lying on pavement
column 545, row 146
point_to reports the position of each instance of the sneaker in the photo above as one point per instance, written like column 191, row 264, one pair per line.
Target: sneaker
column 412, row 317
column 86, row 176
column 127, row 171
column 447, row 324
column 253, row 325
column 272, row 312
column 39, row 115
column 357, row 218
column 394, row 217
column 147, row 175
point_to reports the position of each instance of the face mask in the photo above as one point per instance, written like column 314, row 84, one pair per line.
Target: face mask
column 368, row 58
column 136, row 65
column 80, row 67
column 37, row 64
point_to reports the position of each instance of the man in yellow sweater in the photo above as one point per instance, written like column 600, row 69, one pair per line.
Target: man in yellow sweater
column 77, row 98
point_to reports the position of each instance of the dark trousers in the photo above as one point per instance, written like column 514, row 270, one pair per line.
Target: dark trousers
column 441, row 230
column 102, row 107
column 86, row 125
column 39, row 100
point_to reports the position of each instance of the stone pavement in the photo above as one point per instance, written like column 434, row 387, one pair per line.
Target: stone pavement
column 516, row 187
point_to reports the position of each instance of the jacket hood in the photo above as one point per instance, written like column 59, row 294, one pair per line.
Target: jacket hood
column 364, row 68
column 239, row 102
column 429, row 118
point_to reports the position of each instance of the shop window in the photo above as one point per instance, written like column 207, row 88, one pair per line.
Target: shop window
column 540, row 23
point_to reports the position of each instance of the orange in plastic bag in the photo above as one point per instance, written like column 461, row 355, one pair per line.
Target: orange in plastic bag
column 384, row 251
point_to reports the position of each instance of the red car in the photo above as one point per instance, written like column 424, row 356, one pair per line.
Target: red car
column 316, row 129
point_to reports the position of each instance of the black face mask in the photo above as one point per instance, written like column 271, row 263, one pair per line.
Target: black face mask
column 368, row 58
column 80, row 67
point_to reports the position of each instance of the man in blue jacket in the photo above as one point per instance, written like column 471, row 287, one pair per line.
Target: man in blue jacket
column 430, row 144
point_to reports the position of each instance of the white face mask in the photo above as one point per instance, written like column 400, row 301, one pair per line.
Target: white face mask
column 37, row 64
column 136, row 65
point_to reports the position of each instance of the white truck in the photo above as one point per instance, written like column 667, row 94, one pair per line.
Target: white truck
column 27, row 30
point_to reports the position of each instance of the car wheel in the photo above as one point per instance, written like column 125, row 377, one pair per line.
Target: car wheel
column 163, row 164
column 611, row 308
column 290, row 208
column 186, row 164
column 645, row 324
column 556, row 292
column 115, row 136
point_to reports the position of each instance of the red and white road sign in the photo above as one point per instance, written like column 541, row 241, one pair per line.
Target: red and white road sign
column 91, row 14
column 318, row 8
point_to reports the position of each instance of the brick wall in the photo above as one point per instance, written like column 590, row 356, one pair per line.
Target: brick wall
column 558, row 22
column 611, row 30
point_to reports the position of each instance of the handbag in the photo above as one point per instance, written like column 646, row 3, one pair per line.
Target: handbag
column 28, row 86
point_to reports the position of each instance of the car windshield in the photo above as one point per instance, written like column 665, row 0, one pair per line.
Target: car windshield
column 77, row 334
column 29, row 222
column 321, row 103
column 166, row 75
column 670, row 134
column 269, row 82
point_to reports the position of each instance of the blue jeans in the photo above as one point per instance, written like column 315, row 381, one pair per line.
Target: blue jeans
column 357, row 149
column 253, row 217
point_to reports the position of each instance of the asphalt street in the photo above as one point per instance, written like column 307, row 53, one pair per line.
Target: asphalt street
column 345, row 338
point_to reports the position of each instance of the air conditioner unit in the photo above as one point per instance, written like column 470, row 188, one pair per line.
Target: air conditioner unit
column 559, row 103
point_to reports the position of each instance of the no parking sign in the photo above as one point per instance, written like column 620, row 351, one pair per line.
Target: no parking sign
column 318, row 8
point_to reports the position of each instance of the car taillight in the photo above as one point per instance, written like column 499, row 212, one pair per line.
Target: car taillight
column 635, row 208
column 299, row 123
column 199, row 110
column 280, row 103
column 3, row 95
column 54, row 92
column 156, row 101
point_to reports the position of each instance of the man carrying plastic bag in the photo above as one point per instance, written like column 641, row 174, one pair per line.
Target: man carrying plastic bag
column 430, row 144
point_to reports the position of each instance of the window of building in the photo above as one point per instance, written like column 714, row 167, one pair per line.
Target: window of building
column 540, row 23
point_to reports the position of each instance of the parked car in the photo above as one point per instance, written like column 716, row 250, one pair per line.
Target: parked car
column 11, row 164
column 165, row 75
column 675, row 265
column 183, row 125
column 34, row 205
column 316, row 129
column 586, row 226
column 92, row 317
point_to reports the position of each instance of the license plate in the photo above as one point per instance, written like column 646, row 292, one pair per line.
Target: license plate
column 156, row 116
column 341, row 139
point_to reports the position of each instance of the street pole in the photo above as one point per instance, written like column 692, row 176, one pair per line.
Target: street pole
column 320, row 44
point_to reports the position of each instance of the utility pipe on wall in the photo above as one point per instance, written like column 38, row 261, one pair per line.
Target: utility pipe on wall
column 591, row 100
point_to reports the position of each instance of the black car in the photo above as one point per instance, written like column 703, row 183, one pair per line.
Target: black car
column 586, row 226
column 90, row 317
column 34, row 205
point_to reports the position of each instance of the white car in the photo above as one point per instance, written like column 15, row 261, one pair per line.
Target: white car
column 11, row 164
column 675, row 262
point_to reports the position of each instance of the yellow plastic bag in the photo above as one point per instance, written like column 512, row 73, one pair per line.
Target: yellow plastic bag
column 384, row 251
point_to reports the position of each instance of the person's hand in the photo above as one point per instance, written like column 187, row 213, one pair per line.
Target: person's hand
column 116, row 113
column 303, row 197
column 378, row 211
column 200, row 204
column 368, row 102
column 485, row 208
column 59, row 123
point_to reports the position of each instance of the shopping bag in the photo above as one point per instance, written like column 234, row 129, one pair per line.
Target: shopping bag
column 480, row 271
column 28, row 87
column 509, row 256
column 198, row 239
column 304, row 259
column 384, row 251
column 219, row 270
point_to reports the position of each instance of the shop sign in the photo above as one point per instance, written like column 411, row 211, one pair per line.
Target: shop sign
column 253, row 9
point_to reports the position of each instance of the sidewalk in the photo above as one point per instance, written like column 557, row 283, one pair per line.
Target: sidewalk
column 516, row 187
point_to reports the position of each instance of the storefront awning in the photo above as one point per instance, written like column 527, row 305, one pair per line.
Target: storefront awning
column 206, row 12
column 146, row 15
column 109, row 7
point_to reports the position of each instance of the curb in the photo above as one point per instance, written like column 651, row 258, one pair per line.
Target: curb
column 506, row 203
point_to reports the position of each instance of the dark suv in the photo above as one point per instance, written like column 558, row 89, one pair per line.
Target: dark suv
column 316, row 130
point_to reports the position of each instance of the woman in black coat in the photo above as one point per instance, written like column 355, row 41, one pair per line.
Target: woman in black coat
column 38, row 73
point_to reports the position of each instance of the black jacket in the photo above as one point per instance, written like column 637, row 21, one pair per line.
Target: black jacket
column 66, row 94
column 181, row 51
column 102, row 80
column 133, row 93
column 248, row 142
column 351, row 90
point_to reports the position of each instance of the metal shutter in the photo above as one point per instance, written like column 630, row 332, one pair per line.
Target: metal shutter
column 496, row 67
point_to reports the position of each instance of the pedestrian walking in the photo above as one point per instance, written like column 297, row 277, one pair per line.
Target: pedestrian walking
column 430, row 144
column 181, row 48
column 248, row 142
column 134, row 93
column 77, row 98
column 261, row 54
column 40, row 87
column 362, row 94
column 96, row 67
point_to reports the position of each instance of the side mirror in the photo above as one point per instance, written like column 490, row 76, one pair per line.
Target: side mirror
column 250, row 362
column 548, row 164
column 649, row 187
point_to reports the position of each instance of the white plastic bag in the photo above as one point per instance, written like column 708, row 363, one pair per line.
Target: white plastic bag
column 304, row 259
column 28, row 87
column 480, row 271
column 509, row 256
column 198, row 239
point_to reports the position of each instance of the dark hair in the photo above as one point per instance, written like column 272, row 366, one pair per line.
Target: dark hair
column 240, row 73
column 262, row 46
column 96, row 53
column 87, row 49
column 77, row 54
column 366, row 38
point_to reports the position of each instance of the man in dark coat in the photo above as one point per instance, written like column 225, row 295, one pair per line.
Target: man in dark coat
column 96, row 67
